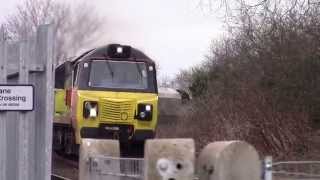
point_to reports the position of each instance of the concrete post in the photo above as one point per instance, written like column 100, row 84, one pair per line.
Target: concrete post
column 94, row 148
column 229, row 160
column 169, row 159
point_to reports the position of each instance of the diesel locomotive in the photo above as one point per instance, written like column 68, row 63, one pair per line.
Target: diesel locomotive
column 106, row 93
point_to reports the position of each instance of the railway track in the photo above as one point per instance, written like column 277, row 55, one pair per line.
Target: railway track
column 70, row 161
column 64, row 168
column 57, row 177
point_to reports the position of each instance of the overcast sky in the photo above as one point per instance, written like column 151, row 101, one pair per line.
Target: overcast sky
column 175, row 33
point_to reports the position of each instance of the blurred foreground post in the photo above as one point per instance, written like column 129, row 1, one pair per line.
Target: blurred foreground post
column 229, row 160
column 94, row 159
column 169, row 159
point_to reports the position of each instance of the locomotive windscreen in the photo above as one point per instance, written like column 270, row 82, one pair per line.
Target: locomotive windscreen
column 118, row 75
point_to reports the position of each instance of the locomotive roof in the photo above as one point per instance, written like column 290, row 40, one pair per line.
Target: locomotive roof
column 102, row 53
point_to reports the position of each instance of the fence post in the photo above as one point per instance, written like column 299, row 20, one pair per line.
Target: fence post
column 169, row 159
column 44, row 101
column 3, row 115
column 229, row 160
column 267, row 168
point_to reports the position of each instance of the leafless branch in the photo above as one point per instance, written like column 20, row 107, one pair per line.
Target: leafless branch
column 76, row 27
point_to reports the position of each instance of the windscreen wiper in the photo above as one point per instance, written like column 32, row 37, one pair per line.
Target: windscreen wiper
column 139, row 69
column 110, row 69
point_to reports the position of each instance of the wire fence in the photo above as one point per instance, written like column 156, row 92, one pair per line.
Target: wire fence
column 114, row 168
column 291, row 170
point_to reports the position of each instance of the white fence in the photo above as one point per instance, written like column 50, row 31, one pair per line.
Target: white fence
column 26, row 136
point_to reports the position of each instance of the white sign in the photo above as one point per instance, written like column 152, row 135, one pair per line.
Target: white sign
column 16, row 97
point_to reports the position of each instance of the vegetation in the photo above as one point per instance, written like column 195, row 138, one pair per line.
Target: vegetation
column 71, row 24
column 261, row 82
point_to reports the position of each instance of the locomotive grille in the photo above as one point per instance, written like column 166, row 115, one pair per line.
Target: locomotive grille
column 116, row 110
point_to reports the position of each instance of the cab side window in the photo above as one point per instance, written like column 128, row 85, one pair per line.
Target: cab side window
column 59, row 77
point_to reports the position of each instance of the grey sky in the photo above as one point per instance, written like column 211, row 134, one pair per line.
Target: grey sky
column 175, row 33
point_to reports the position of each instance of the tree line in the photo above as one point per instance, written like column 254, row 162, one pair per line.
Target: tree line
column 261, row 81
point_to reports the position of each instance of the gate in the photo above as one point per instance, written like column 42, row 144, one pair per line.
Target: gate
column 26, row 135
column 291, row 170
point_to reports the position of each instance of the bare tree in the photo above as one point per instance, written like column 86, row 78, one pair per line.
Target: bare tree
column 76, row 27
column 238, row 12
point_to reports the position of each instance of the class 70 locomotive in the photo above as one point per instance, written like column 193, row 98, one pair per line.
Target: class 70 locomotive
column 106, row 93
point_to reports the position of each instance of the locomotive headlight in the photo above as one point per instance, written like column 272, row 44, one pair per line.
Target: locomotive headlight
column 90, row 109
column 119, row 50
column 144, row 112
column 148, row 107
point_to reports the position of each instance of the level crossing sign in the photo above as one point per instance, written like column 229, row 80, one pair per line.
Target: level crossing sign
column 16, row 97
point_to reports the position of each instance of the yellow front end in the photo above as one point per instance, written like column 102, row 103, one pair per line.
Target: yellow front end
column 116, row 111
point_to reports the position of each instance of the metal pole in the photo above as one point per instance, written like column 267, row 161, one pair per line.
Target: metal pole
column 23, row 127
column 44, row 102
column 3, row 115
column 49, row 98
column 268, row 168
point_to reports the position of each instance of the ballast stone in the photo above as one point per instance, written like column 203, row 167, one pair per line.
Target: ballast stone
column 169, row 159
column 95, row 148
column 229, row 160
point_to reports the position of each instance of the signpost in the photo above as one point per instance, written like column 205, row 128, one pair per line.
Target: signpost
column 16, row 97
